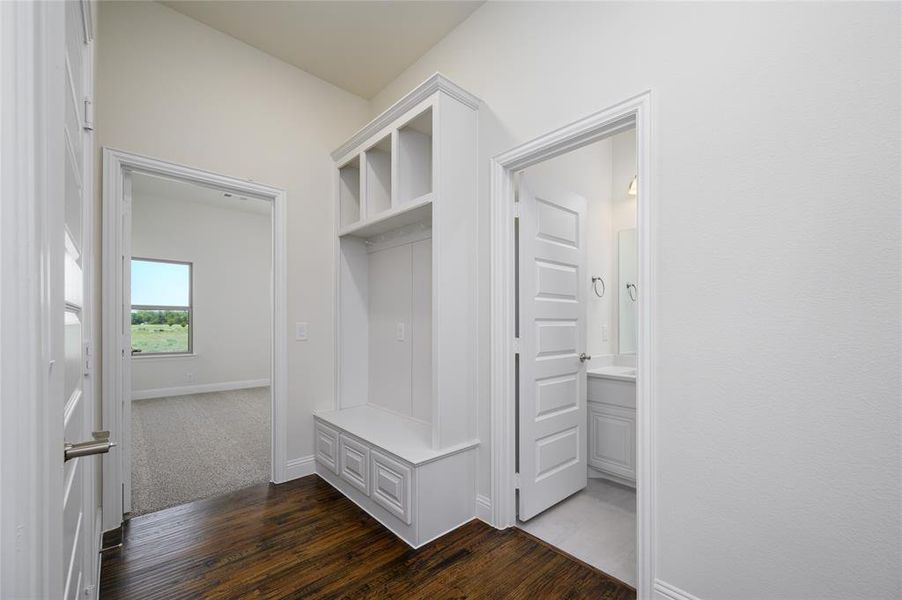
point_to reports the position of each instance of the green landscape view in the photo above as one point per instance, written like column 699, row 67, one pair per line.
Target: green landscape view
column 156, row 331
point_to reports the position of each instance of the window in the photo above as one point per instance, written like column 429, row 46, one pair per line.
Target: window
column 161, row 307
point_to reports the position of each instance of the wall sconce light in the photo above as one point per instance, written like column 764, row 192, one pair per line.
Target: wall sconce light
column 632, row 190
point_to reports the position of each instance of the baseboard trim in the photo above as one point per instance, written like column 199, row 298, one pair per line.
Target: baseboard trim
column 199, row 389
column 299, row 467
column 665, row 591
column 599, row 474
column 484, row 509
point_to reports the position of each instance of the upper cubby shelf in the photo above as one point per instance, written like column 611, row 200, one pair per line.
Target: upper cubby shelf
column 388, row 170
column 415, row 158
column 378, row 178
column 415, row 211
column 349, row 192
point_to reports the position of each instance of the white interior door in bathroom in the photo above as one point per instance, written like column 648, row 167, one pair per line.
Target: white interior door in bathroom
column 552, row 417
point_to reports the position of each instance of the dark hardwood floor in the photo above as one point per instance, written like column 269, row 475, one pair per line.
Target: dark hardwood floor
column 303, row 539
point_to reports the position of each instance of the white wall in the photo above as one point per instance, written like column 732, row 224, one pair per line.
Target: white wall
column 174, row 89
column 778, row 376
column 231, row 255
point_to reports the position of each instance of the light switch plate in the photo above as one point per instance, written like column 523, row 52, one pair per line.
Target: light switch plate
column 300, row 332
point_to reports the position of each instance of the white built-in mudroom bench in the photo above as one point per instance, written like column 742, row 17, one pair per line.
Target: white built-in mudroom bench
column 401, row 438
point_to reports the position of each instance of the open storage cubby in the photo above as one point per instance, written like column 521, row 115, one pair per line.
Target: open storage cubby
column 415, row 158
column 349, row 192
column 386, row 319
column 378, row 177
column 400, row 439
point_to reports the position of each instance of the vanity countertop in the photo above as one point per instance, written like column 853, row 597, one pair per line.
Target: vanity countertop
column 617, row 372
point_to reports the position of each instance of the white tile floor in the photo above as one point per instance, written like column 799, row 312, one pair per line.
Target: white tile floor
column 597, row 526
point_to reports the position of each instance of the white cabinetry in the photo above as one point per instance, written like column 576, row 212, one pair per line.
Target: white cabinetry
column 612, row 428
column 401, row 439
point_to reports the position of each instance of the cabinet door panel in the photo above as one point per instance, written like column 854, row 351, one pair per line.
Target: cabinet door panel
column 355, row 459
column 391, row 485
column 326, row 441
column 612, row 440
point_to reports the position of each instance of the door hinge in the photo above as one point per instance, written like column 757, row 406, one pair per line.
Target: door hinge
column 516, row 345
column 516, row 481
column 89, row 115
column 516, row 210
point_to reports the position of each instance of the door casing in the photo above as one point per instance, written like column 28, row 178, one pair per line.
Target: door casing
column 117, row 166
column 637, row 112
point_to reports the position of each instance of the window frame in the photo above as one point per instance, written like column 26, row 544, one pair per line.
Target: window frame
column 189, row 308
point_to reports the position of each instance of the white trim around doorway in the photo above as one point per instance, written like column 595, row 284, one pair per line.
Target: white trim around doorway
column 634, row 112
column 117, row 165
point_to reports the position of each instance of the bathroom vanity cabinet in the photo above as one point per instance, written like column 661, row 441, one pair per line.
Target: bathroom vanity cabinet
column 612, row 424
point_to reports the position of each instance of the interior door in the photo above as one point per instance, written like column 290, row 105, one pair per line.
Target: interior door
column 552, row 420
column 79, row 465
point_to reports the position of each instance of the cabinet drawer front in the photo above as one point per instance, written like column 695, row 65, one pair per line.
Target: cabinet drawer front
column 326, row 440
column 612, row 440
column 391, row 485
column 354, row 461
column 610, row 391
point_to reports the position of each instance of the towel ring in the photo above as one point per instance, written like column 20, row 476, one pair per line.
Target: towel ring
column 595, row 280
column 633, row 291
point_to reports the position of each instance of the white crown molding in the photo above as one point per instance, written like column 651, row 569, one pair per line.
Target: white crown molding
column 437, row 82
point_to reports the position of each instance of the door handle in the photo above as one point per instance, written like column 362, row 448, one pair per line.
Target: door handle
column 101, row 444
column 583, row 357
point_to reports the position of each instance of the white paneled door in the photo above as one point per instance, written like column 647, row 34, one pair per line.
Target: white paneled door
column 552, row 418
column 79, row 473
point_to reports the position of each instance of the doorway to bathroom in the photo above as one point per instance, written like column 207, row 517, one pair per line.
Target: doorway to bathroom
column 577, row 383
column 571, row 411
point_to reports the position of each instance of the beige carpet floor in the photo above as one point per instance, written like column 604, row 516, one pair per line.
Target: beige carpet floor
column 189, row 447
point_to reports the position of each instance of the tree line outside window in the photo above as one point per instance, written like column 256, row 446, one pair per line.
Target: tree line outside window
column 161, row 309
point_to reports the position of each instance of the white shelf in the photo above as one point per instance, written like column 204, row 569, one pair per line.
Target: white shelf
column 419, row 209
column 349, row 192
column 415, row 157
column 378, row 193
column 406, row 438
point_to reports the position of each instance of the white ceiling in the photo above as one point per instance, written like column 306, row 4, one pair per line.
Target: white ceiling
column 150, row 186
column 360, row 46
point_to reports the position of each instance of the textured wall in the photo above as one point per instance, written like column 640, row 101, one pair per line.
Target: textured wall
column 778, row 272
column 171, row 88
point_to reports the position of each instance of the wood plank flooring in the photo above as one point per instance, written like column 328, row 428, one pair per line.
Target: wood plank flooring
column 303, row 539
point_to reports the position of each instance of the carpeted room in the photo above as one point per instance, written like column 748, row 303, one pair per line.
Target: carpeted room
column 201, row 337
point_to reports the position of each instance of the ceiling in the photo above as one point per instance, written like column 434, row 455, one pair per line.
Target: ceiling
column 151, row 186
column 360, row 46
